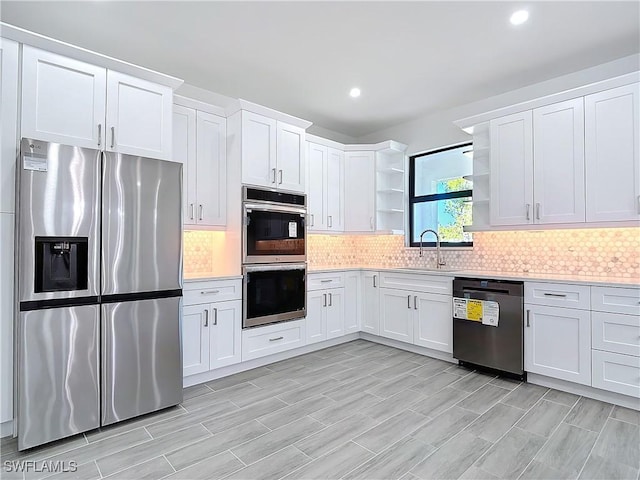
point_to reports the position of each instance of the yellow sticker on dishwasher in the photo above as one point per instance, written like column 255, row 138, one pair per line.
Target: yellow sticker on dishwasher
column 474, row 310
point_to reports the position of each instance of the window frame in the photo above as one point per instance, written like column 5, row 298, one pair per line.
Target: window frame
column 412, row 199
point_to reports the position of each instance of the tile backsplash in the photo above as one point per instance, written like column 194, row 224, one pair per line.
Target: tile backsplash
column 613, row 252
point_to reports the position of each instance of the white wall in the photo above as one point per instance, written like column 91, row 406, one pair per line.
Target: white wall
column 437, row 130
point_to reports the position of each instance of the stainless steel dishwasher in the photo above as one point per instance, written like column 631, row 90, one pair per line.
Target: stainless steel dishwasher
column 488, row 324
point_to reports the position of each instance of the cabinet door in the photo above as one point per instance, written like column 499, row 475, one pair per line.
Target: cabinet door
column 335, row 190
column 211, row 182
column 290, row 157
column 139, row 115
column 359, row 198
column 612, row 153
column 557, row 343
column 558, row 162
column 316, row 320
column 316, row 186
column 6, row 316
column 371, row 303
column 225, row 334
column 63, row 100
column 258, row 150
column 9, row 73
column 396, row 314
column 511, row 196
column 434, row 322
column 352, row 281
column 184, row 151
column 195, row 339
column 335, row 312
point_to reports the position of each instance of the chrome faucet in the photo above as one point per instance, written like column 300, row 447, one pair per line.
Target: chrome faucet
column 439, row 260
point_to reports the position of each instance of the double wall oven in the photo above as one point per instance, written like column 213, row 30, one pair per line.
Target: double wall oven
column 274, row 256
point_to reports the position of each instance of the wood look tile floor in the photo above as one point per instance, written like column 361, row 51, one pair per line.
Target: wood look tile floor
column 359, row 410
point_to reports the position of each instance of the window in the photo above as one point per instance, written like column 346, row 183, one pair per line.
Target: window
column 440, row 196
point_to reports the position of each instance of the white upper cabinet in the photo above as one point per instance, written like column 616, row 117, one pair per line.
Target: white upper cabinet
column 290, row 148
column 511, row 169
column 612, row 152
column 558, row 163
column 199, row 142
column 211, row 169
column 359, row 198
column 138, row 116
column 184, row 151
column 272, row 153
column 325, row 188
column 316, row 186
column 76, row 103
column 63, row 100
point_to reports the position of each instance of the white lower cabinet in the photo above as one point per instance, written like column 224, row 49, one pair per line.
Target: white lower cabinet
column 316, row 320
column 616, row 372
column 433, row 326
column 211, row 330
column 370, row 303
column 262, row 341
column 557, row 342
column 325, row 306
column 352, row 301
column 396, row 315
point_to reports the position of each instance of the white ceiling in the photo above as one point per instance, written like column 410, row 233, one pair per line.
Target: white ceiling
column 409, row 58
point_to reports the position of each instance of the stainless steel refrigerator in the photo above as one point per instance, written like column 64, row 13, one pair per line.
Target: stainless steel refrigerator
column 99, row 271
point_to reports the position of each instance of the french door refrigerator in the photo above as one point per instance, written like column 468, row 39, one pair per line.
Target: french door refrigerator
column 99, row 270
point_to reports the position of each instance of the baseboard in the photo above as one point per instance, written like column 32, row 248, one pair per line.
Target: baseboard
column 6, row 429
column 262, row 361
column 585, row 391
column 427, row 352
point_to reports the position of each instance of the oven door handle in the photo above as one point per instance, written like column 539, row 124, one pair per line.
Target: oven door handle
column 272, row 268
column 274, row 207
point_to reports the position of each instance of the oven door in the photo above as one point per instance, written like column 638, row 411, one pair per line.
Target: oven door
column 273, row 293
column 273, row 233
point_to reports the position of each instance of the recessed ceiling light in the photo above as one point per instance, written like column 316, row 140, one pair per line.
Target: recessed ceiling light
column 354, row 92
column 519, row 17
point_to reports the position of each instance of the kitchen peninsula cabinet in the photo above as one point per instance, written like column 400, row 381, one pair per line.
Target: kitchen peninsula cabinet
column 76, row 103
column 199, row 142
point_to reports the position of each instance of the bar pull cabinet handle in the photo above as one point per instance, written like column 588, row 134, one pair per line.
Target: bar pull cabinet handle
column 409, row 301
column 415, row 302
column 208, row 292
column 313, row 222
column 279, row 177
column 371, row 222
column 324, row 301
column 275, row 339
column 638, row 204
column 326, row 281
column 329, row 222
column 559, row 295
column 201, row 212
column 374, row 281
column 192, row 211
column 537, row 211
column 273, row 173
column 206, row 317
column 330, row 300
column 528, row 318
column 113, row 137
column 215, row 316
column 528, row 211
column 99, row 134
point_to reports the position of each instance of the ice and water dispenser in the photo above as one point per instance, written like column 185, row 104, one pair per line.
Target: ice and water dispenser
column 61, row 264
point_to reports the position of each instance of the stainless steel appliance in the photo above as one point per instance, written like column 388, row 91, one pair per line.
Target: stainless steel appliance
column 274, row 228
column 488, row 324
column 99, row 288
column 273, row 293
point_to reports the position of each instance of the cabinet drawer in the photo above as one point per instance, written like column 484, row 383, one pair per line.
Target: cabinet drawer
column 320, row 281
column 262, row 341
column 616, row 373
column 417, row 282
column 616, row 300
column 212, row 291
column 557, row 295
column 614, row 332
